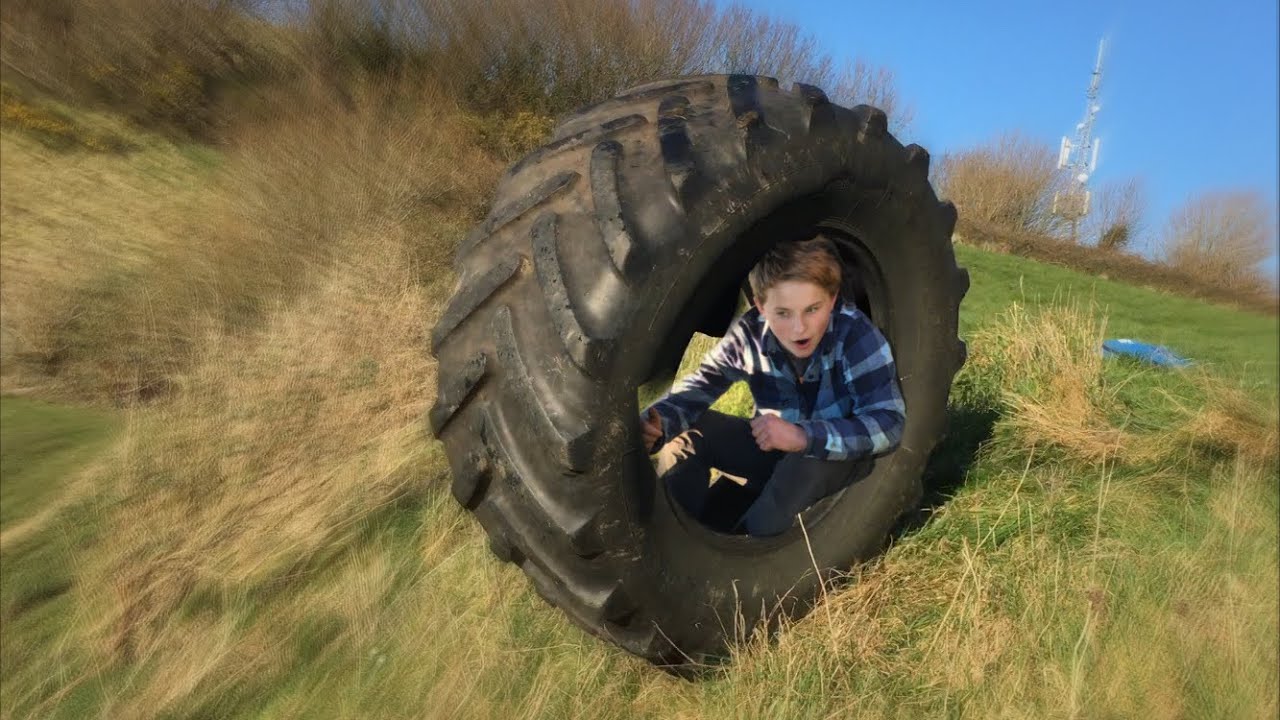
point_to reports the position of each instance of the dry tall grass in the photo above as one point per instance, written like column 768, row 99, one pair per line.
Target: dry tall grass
column 76, row 228
column 1045, row 368
column 182, row 253
column 279, row 439
column 282, row 439
column 278, row 538
column 1048, row 370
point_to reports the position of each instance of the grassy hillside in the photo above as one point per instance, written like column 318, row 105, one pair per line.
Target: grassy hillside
column 271, row 534
column 1232, row 344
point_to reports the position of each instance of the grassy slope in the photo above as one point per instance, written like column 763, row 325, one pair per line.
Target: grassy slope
column 1046, row 585
column 41, row 445
column 1236, row 344
column 43, row 524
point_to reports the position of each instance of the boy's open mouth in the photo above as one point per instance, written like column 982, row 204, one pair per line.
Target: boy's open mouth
column 804, row 343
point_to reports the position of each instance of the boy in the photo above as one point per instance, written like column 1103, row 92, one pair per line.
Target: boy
column 825, row 389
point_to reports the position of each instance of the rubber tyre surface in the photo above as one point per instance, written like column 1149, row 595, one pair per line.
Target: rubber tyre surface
column 603, row 252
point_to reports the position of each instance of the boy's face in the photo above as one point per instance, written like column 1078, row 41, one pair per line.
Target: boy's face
column 797, row 313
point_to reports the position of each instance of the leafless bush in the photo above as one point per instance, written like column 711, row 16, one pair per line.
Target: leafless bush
column 162, row 62
column 1125, row 267
column 1223, row 235
column 174, row 62
column 1115, row 220
column 508, row 56
column 1009, row 182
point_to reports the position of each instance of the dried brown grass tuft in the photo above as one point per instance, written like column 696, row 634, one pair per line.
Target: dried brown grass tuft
column 1229, row 422
column 1048, row 367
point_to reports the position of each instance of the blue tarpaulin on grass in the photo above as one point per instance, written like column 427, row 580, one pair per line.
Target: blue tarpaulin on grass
column 1154, row 354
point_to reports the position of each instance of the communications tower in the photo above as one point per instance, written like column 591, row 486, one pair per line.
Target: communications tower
column 1078, row 158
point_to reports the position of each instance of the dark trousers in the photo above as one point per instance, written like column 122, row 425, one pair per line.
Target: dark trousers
column 785, row 483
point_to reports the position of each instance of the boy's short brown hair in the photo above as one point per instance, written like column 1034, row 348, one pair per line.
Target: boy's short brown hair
column 815, row 260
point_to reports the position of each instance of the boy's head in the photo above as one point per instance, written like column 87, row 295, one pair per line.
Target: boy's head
column 795, row 286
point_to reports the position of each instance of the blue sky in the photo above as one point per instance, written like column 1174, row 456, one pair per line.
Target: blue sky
column 1189, row 92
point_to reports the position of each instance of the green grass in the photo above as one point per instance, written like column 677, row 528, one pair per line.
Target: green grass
column 1232, row 343
column 41, row 446
column 1033, row 584
column 1007, row 576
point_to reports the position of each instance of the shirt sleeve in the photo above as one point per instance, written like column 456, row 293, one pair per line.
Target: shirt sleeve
column 680, row 408
column 879, row 413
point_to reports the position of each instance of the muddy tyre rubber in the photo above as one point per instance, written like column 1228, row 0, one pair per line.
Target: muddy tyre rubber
column 604, row 251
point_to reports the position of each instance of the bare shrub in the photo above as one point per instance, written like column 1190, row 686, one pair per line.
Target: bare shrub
column 1223, row 235
column 178, row 63
column 509, row 56
column 1116, row 217
column 162, row 62
column 1126, row 267
column 1008, row 182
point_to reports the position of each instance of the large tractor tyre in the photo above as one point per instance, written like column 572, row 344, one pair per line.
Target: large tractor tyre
column 604, row 251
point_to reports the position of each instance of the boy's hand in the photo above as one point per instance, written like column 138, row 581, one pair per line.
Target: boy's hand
column 773, row 433
column 652, row 428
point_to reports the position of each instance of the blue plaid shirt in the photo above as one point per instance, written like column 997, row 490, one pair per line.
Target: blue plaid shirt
column 856, row 411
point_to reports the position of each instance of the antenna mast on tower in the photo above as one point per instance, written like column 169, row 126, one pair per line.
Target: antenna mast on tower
column 1079, row 157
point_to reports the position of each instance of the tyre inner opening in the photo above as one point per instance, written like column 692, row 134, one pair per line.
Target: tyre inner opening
column 729, row 496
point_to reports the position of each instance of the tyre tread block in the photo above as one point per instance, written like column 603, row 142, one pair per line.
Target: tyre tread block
column 674, row 140
column 571, row 448
column 813, row 96
column 562, row 582
column 654, row 90
column 918, row 159
column 874, row 124
column 456, row 391
column 471, row 480
column 961, row 283
column 471, row 297
column 514, row 210
column 605, row 194
column 949, row 216
column 583, row 137
column 577, row 525
column 588, row 353
column 744, row 102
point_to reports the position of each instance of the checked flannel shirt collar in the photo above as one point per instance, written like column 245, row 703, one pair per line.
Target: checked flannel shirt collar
column 857, row 409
